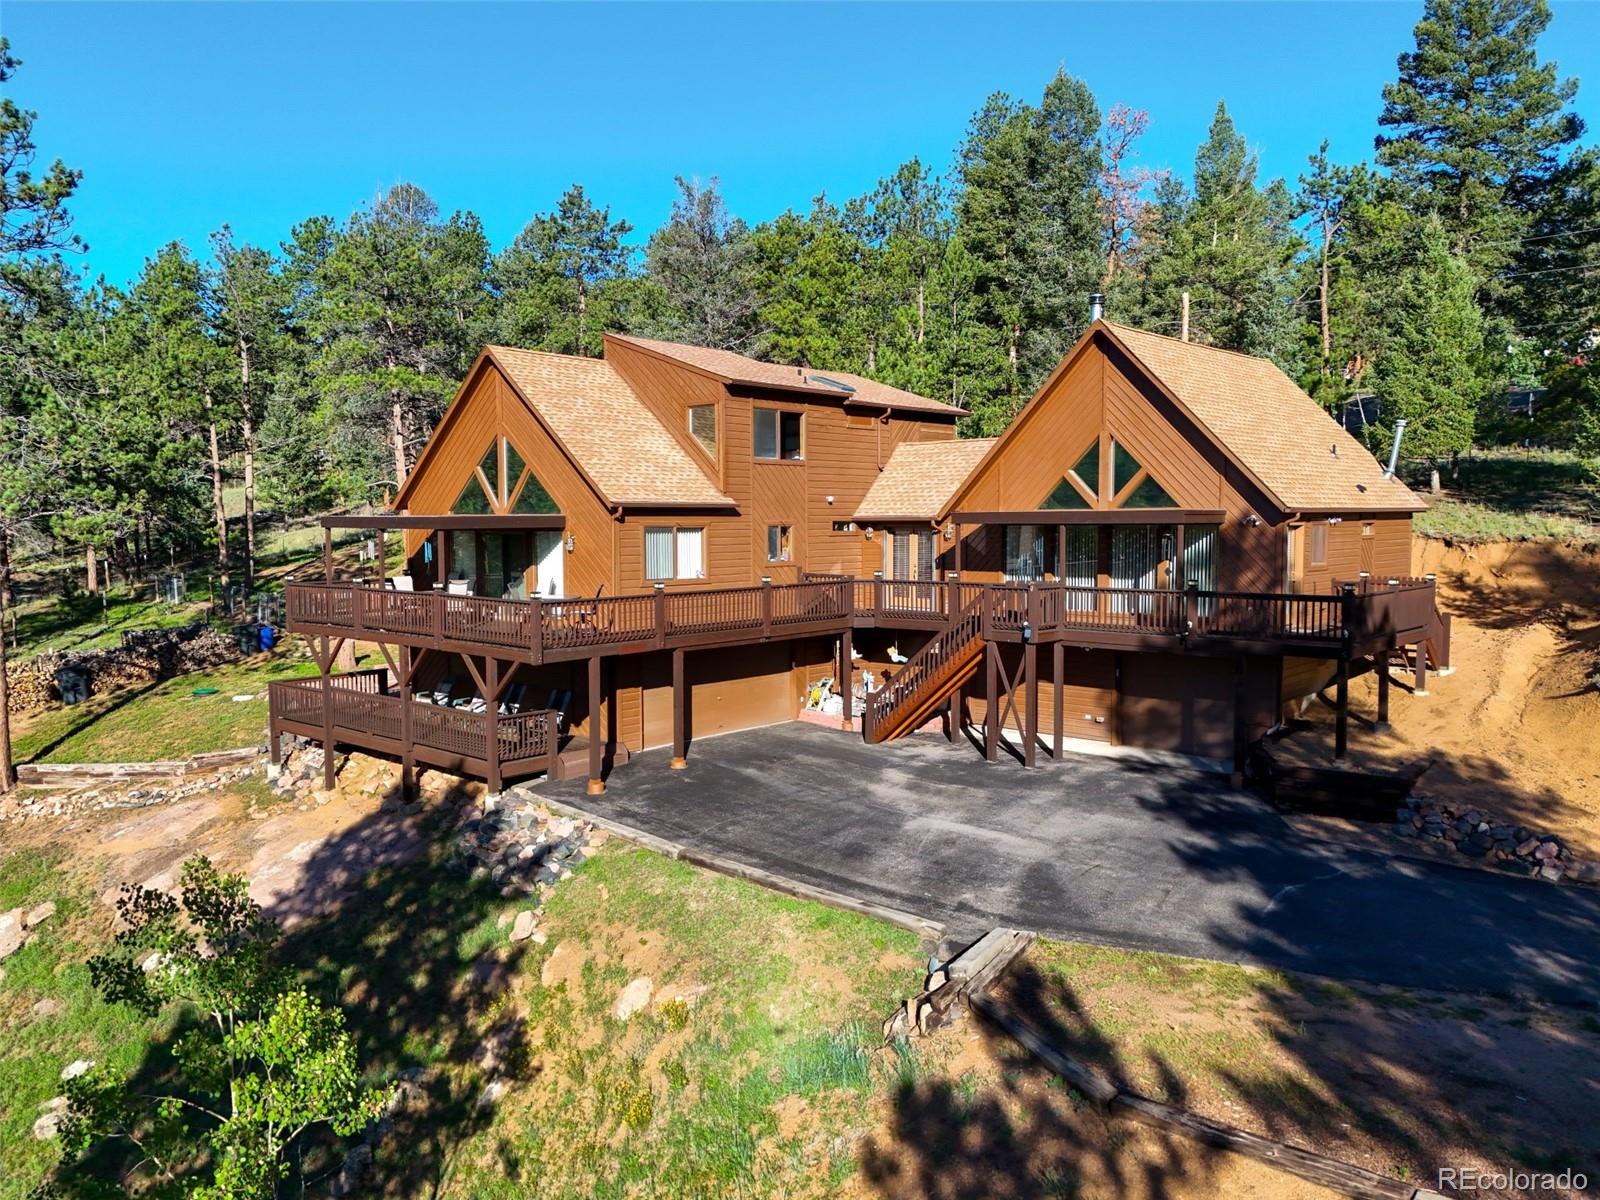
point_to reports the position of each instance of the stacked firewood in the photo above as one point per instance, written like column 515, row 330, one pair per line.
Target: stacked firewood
column 145, row 656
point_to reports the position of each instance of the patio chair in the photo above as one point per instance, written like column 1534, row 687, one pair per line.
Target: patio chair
column 515, row 695
column 441, row 691
column 459, row 587
column 559, row 702
column 402, row 583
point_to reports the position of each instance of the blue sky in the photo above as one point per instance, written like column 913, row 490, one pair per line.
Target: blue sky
column 183, row 116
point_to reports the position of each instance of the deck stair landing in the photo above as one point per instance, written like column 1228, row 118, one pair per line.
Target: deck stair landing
column 926, row 680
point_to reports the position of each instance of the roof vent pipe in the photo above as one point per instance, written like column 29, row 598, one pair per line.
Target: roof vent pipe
column 1394, row 450
column 1097, row 307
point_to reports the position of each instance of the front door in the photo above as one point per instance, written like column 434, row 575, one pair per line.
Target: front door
column 549, row 553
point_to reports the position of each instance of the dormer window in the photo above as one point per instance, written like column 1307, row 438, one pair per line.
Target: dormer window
column 703, row 426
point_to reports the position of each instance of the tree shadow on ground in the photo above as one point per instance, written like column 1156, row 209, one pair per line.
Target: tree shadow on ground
column 1477, row 1050
column 389, row 928
column 1027, row 1134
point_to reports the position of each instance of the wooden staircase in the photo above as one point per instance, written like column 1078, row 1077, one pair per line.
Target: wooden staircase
column 926, row 680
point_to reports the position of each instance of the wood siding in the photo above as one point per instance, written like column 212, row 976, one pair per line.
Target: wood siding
column 489, row 407
column 1351, row 549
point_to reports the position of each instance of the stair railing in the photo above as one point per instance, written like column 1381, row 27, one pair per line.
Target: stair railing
column 927, row 667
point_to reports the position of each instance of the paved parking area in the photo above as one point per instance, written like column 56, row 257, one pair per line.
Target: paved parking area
column 1105, row 850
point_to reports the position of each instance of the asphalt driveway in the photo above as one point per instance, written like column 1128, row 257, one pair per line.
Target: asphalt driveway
column 1103, row 850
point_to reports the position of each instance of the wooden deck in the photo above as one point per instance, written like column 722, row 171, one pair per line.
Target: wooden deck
column 1353, row 621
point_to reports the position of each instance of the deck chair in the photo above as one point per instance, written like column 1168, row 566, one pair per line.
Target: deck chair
column 515, row 695
column 441, row 691
column 402, row 583
column 459, row 587
column 560, row 701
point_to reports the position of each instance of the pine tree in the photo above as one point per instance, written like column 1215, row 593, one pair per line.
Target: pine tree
column 1329, row 194
column 1232, row 246
column 1430, row 370
column 551, row 280
column 1028, row 204
column 1476, row 127
column 396, row 292
column 701, row 261
column 251, row 310
column 809, row 277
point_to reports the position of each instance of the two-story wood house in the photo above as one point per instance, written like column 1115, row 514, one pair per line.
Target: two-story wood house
column 609, row 555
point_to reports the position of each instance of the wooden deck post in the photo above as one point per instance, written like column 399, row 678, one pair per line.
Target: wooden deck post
column 1030, row 723
column 1380, row 663
column 1341, row 710
column 1420, row 687
column 766, row 606
column 847, row 680
column 597, row 785
column 327, row 554
column 491, row 720
column 991, row 714
column 680, row 744
column 953, row 720
column 407, row 761
column 383, row 557
column 1059, row 669
column 441, row 573
column 958, row 549
column 325, row 664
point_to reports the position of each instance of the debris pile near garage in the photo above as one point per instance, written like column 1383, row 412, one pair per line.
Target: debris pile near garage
column 1478, row 834
column 144, row 656
column 516, row 842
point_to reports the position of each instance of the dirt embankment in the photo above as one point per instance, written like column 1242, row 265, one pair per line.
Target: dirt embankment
column 1516, row 727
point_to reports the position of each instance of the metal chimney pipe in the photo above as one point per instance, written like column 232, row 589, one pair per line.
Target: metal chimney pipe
column 1394, row 450
column 1097, row 306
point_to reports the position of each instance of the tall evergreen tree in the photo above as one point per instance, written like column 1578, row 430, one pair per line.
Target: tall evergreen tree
column 396, row 292
column 1329, row 194
column 551, row 280
column 1232, row 246
column 1430, row 369
column 1475, row 126
column 251, row 319
column 808, row 275
column 1029, row 208
column 701, row 261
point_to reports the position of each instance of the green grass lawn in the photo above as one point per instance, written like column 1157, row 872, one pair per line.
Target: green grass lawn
column 161, row 721
column 759, row 998
column 36, row 1046
column 86, row 623
column 1512, row 494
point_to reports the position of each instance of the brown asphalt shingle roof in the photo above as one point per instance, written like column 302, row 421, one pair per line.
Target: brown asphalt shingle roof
column 609, row 432
column 920, row 477
column 736, row 368
column 1278, row 433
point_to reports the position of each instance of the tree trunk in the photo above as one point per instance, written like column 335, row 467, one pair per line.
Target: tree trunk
column 397, row 421
column 247, row 429
column 218, row 512
column 8, row 774
column 922, row 312
column 1327, row 334
column 91, row 571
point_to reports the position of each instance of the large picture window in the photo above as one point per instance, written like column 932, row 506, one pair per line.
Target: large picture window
column 777, row 434
column 1030, row 552
column 671, row 552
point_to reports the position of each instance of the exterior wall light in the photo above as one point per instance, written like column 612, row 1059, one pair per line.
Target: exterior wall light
column 950, row 532
column 572, row 543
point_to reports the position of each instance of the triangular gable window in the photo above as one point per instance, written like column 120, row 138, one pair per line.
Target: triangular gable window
column 1065, row 496
column 472, row 501
column 533, row 498
column 490, row 466
column 1149, row 494
column 1124, row 467
column 1087, row 469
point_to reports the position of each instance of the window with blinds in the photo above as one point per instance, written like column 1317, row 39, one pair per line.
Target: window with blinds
column 1082, row 568
column 658, row 552
column 673, row 553
column 1029, row 552
column 1136, row 556
column 1200, row 543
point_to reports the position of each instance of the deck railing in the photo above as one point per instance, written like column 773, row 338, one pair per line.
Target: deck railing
column 537, row 629
column 364, row 712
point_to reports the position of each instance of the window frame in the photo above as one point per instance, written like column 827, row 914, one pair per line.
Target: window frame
column 778, row 417
column 1317, row 544
column 785, row 543
column 674, row 532
column 716, row 428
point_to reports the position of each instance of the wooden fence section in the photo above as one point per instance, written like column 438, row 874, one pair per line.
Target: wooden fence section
column 1359, row 616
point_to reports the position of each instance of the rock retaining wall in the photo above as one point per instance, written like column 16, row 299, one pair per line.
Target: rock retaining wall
column 1480, row 835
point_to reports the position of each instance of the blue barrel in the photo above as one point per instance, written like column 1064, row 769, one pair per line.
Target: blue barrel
column 267, row 638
